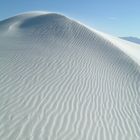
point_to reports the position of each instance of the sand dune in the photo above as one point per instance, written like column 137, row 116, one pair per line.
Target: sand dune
column 60, row 80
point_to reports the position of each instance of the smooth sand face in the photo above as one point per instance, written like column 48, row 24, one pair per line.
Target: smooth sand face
column 61, row 81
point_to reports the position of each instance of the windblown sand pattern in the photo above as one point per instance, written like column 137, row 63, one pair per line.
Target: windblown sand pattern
column 60, row 80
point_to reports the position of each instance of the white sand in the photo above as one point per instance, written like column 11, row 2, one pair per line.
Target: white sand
column 60, row 80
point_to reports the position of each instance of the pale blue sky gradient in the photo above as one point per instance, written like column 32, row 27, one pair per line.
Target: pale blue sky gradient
column 116, row 17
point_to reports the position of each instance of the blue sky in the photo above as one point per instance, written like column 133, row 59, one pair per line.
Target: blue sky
column 116, row 17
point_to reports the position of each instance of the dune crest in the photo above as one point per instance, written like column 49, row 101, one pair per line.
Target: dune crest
column 60, row 80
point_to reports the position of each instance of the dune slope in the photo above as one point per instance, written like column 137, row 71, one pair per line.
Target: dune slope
column 60, row 80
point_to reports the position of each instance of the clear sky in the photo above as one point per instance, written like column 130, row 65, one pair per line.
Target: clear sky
column 116, row 17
